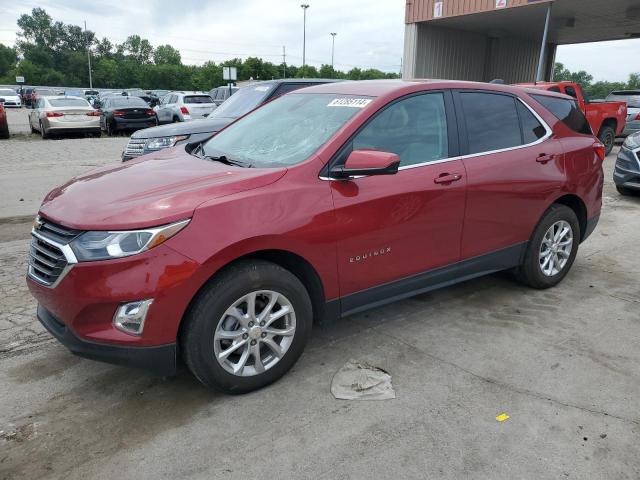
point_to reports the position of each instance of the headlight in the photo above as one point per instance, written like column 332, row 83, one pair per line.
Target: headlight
column 102, row 245
column 164, row 142
column 632, row 142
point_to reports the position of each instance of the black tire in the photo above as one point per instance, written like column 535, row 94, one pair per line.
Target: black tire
column 206, row 312
column 530, row 272
column 4, row 132
column 109, row 128
column 175, row 120
column 627, row 192
column 33, row 130
column 43, row 132
column 608, row 138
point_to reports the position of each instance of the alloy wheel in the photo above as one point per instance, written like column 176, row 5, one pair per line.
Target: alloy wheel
column 254, row 333
column 556, row 247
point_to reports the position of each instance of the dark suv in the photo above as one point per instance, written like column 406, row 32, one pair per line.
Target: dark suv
column 246, row 99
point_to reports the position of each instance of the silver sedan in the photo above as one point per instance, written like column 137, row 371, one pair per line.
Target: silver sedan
column 51, row 115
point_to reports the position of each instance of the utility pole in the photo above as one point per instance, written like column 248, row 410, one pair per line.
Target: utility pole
column 304, row 35
column 333, row 46
column 88, row 54
column 284, row 62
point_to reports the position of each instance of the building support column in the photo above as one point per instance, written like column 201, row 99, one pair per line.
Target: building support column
column 410, row 51
column 543, row 47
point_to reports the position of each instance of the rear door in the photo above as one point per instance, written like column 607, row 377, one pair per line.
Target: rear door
column 513, row 164
column 164, row 112
column 392, row 227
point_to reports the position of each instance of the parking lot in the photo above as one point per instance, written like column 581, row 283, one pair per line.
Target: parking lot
column 562, row 363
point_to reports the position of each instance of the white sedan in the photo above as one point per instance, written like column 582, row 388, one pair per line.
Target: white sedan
column 10, row 98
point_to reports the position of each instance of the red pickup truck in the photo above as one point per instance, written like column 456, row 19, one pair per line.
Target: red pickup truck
column 607, row 119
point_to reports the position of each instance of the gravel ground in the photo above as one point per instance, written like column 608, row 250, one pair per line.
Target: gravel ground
column 30, row 167
column 562, row 363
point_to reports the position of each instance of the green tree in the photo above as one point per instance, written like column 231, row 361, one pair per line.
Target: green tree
column 166, row 54
column 138, row 49
column 8, row 59
column 634, row 81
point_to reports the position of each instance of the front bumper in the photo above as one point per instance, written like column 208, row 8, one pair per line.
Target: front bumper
column 157, row 359
column 627, row 170
column 87, row 297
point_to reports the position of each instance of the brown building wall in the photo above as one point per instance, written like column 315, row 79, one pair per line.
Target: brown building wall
column 422, row 10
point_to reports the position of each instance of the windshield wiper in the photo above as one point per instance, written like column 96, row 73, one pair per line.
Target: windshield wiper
column 226, row 160
column 222, row 158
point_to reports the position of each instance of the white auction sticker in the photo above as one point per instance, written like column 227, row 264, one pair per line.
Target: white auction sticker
column 349, row 102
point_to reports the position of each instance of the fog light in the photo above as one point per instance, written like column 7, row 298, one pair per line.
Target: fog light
column 130, row 317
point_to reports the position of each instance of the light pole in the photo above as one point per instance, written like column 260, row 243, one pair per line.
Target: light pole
column 333, row 46
column 88, row 55
column 304, row 35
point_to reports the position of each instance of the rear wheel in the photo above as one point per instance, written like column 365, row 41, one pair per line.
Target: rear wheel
column 43, row 132
column 109, row 130
column 552, row 248
column 607, row 137
column 175, row 120
column 247, row 327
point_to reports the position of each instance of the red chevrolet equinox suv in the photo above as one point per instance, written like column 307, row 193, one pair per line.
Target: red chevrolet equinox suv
column 325, row 202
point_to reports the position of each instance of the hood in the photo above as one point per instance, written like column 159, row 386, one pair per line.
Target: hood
column 160, row 188
column 206, row 125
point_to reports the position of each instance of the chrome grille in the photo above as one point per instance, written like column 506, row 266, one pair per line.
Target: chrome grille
column 135, row 147
column 50, row 256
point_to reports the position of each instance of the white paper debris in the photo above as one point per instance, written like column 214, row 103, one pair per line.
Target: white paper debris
column 361, row 381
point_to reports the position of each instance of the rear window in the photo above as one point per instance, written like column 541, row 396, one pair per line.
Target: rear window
column 128, row 102
column 197, row 99
column 566, row 111
column 631, row 97
column 68, row 102
column 492, row 121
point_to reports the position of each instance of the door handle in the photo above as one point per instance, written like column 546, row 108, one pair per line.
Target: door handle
column 447, row 178
column 544, row 158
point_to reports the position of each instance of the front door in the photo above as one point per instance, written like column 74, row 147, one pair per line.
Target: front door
column 392, row 227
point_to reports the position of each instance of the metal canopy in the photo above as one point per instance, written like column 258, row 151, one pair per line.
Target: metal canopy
column 572, row 21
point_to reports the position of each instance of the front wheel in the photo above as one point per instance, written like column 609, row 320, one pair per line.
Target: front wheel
column 607, row 137
column 552, row 248
column 627, row 192
column 247, row 327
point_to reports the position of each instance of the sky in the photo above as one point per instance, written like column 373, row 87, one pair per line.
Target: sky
column 370, row 33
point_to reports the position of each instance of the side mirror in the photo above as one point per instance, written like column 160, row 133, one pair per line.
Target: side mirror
column 367, row 162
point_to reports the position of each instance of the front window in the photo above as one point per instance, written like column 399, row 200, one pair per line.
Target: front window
column 244, row 101
column 286, row 131
column 415, row 128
